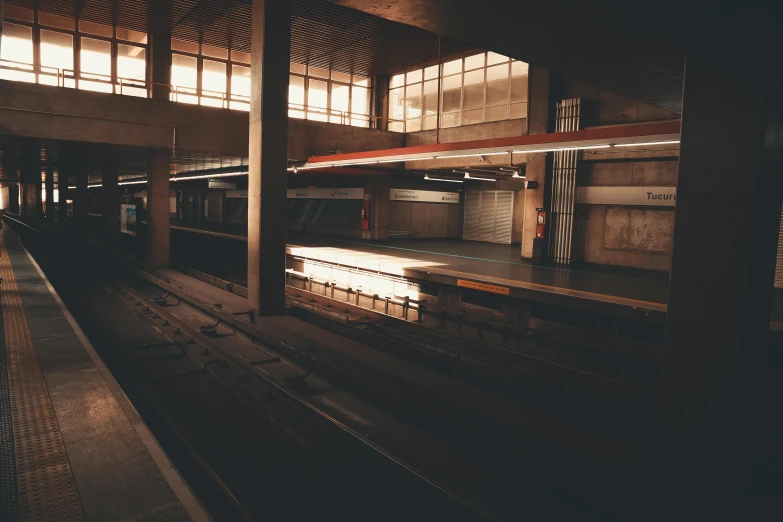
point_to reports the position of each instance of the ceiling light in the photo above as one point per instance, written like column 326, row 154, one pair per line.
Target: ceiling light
column 205, row 176
column 390, row 161
column 477, row 154
column 516, row 175
column 468, row 176
column 443, row 179
column 669, row 142
column 562, row 149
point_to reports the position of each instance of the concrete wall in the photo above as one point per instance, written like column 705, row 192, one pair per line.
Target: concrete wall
column 42, row 111
column 426, row 220
column 639, row 237
column 601, row 107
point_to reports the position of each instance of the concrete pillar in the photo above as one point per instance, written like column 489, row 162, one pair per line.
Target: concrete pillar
column 63, row 193
column 539, row 122
column 30, row 181
column 49, row 182
column 110, row 195
column 158, row 244
column 160, row 43
column 267, row 204
column 711, row 408
column 81, row 200
column 377, row 188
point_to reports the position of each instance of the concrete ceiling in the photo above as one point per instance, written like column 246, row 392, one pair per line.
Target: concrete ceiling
column 636, row 49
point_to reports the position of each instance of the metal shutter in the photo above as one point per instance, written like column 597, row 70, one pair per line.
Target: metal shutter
column 470, row 229
column 779, row 264
column 503, row 216
column 487, row 225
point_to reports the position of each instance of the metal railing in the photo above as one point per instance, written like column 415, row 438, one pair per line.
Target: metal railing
column 69, row 78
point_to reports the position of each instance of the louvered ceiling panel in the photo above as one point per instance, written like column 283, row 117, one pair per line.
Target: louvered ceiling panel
column 323, row 34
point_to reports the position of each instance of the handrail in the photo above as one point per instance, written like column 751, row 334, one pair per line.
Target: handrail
column 118, row 82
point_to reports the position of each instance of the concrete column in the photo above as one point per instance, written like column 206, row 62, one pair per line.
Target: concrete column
column 377, row 187
column 536, row 169
column 267, row 204
column 160, row 63
column 63, row 174
column 158, row 244
column 711, row 408
column 81, row 201
column 49, row 194
column 30, row 181
column 110, row 195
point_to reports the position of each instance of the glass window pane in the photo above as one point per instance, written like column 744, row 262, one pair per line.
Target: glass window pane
column 452, row 67
column 473, row 90
column 518, row 86
column 18, row 13
column 450, row 120
column 52, row 20
column 317, row 72
column 96, row 65
column 497, row 84
column 361, row 81
column 132, row 36
column 214, row 52
column 360, row 101
column 495, row 58
column 429, row 122
column 519, row 110
column 317, row 95
column 413, row 125
column 474, row 62
column 451, row 94
column 473, row 116
column 184, row 78
column 518, row 68
column 17, row 46
column 240, row 87
column 296, row 92
column 341, row 77
column 185, row 47
column 298, row 68
column 431, row 72
column 413, row 101
column 397, row 80
column 497, row 113
column 431, row 97
column 240, row 57
column 413, row 77
column 213, row 83
column 396, row 103
column 131, row 70
column 56, row 56
column 340, row 99
column 98, row 29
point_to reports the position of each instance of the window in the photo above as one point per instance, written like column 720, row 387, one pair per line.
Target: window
column 56, row 56
column 96, row 65
column 17, row 47
column 131, row 70
column 479, row 88
column 213, row 83
column 323, row 95
column 184, row 78
column 240, row 88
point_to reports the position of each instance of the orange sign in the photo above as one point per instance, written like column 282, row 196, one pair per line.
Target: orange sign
column 483, row 287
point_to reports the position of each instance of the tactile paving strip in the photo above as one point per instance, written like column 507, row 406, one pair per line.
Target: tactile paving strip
column 9, row 508
column 46, row 489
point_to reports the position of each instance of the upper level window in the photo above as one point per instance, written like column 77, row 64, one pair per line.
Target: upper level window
column 475, row 89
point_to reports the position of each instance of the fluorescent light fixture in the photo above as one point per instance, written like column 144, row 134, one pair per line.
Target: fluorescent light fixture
column 669, row 142
column 516, row 175
column 390, row 161
column 96, row 185
column 476, row 154
column 468, row 176
column 443, row 179
column 562, row 149
column 357, row 163
column 205, row 176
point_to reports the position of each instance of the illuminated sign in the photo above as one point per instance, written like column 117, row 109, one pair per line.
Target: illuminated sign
column 631, row 196
column 423, row 196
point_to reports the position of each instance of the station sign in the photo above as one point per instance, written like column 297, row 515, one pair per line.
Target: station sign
column 630, row 196
column 218, row 184
column 326, row 193
column 423, row 196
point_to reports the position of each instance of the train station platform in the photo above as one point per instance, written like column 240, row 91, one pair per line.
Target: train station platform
column 73, row 447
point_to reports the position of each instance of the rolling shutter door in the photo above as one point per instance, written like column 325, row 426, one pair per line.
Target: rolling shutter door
column 487, row 219
column 470, row 229
column 779, row 263
column 503, row 216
